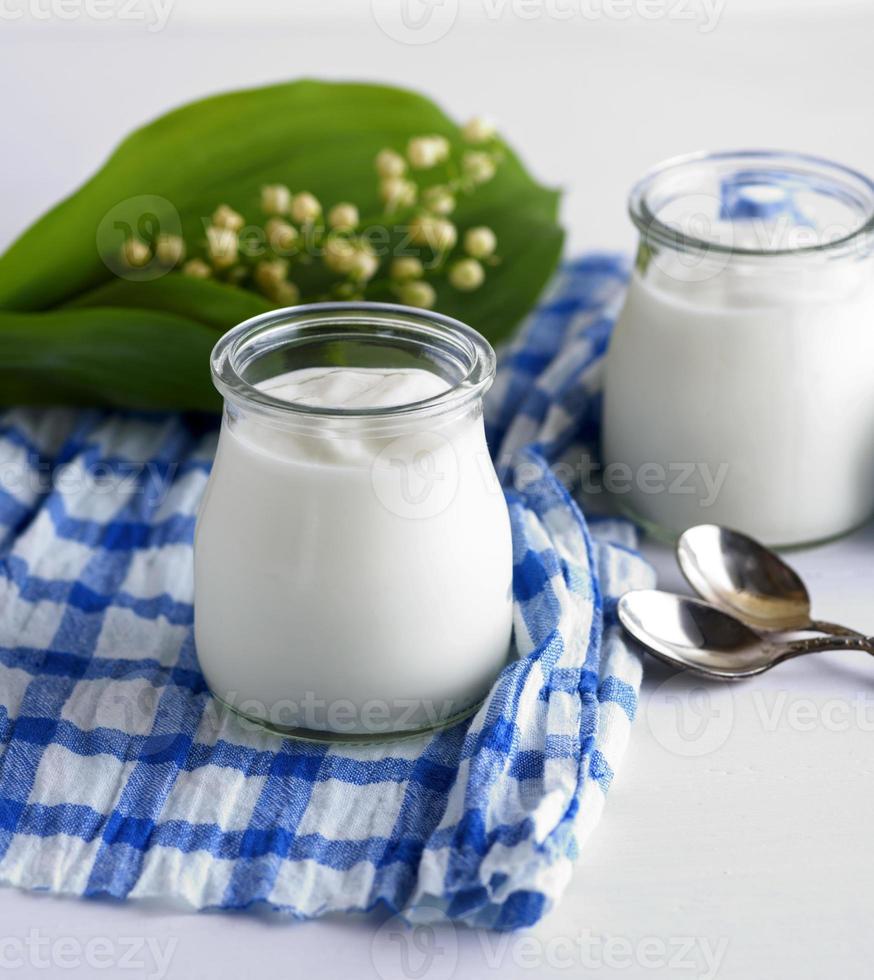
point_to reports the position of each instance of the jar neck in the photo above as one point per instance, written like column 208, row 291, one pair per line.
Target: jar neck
column 383, row 429
column 755, row 204
column 351, row 335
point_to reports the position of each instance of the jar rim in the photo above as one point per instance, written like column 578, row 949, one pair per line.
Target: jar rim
column 378, row 322
column 852, row 184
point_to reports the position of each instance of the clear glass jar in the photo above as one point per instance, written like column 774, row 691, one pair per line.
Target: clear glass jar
column 353, row 566
column 738, row 383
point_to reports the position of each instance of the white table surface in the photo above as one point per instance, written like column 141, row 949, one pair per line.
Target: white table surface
column 736, row 842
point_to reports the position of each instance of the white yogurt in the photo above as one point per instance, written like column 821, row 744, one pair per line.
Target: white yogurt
column 355, row 387
column 353, row 577
column 762, row 383
column 738, row 380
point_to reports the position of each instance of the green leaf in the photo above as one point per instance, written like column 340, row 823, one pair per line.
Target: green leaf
column 170, row 175
column 132, row 358
column 212, row 303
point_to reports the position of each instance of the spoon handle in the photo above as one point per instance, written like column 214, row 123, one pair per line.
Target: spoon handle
column 819, row 644
column 833, row 629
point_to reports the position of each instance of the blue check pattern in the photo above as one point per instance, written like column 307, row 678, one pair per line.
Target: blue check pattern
column 119, row 775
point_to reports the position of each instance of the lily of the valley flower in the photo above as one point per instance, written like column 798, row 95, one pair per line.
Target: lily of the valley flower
column 286, row 294
column 478, row 130
column 425, row 152
column 364, row 265
column 298, row 233
column 417, row 293
column 437, row 233
column 351, row 257
column 478, row 166
column 397, row 192
column 439, row 200
column 480, row 242
column 197, row 269
column 281, row 236
column 222, row 245
column 135, row 254
column 305, row 208
column 390, row 164
column 271, row 278
column 227, row 217
column 269, row 274
column 406, row 268
column 467, row 275
column 275, row 199
column 339, row 254
column 343, row 217
column 170, row 249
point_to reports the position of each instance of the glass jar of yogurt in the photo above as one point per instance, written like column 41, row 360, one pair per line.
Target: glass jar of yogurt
column 353, row 560
column 738, row 384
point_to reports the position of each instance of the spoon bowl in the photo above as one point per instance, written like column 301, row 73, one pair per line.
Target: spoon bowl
column 684, row 632
column 694, row 635
column 737, row 574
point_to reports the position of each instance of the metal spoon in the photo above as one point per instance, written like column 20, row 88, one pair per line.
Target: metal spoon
column 741, row 576
column 687, row 633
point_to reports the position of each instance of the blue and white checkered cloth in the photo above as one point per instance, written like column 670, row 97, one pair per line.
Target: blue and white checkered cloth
column 120, row 777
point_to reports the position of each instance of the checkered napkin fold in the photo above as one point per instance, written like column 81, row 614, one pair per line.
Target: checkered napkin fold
column 120, row 777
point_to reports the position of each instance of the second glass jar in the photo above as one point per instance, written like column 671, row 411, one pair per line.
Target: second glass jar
column 738, row 386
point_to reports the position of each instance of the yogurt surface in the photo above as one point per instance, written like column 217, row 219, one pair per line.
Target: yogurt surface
column 351, row 388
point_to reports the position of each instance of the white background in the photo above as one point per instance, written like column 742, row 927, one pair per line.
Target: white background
column 741, row 820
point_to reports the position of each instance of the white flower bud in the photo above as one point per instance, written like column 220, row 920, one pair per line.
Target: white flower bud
column 467, row 275
column 441, row 148
column 425, row 152
column 390, row 164
column 396, row 192
column 438, row 233
column 347, row 291
column 222, row 244
column 480, row 242
column 305, row 208
column 406, row 268
column 197, row 269
column 269, row 274
column 135, row 254
column 343, row 217
column 170, row 249
column 281, row 236
column 417, row 293
column 339, row 254
column 478, row 166
column 478, row 130
column 285, row 294
column 225, row 217
column 275, row 199
column 364, row 266
column 439, row 200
